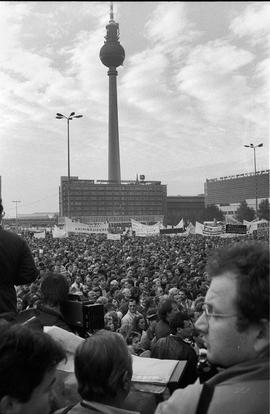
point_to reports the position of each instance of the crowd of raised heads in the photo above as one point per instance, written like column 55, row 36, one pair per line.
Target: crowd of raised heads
column 201, row 300
column 139, row 281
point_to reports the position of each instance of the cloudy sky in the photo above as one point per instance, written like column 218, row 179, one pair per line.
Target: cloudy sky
column 194, row 88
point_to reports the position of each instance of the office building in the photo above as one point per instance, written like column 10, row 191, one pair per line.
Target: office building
column 228, row 192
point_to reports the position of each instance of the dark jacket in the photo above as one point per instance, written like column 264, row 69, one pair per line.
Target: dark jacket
column 173, row 347
column 241, row 389
column 17, row 267
column 46, row 315
column 162, row 329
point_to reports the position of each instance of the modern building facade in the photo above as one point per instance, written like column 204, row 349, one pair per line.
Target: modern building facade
column 100, row 201
column 184, row 207
column 228, row 192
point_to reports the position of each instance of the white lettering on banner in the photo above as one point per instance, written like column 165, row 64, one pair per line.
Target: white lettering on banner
column 75, row 227
column 206, row 230
column 143, row 230
column 213, row 230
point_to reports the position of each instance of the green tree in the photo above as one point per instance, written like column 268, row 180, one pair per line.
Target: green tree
column 263, row 210
column 212, row 212
column 244, row 212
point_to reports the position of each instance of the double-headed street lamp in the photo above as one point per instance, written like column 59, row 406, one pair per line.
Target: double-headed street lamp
column 254, row 149
column 68, row 118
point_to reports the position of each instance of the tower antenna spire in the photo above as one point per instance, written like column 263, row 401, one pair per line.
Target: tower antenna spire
column 111, row 11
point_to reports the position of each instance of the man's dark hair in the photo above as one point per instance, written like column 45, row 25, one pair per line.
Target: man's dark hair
column 178, row 321
column 54, row 289
column 164, row 308
column 100, row 364
column 131, row 336
column 250, row 264
column 25, row 357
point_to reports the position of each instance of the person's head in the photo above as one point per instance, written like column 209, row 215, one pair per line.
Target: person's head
column 103, row 300
column 182, row 325
column 54, row 289
column 167, row 309
column 92, row 296
column 235, row 322
column 152, row 317
column 108, row 322
column 127, row 293
column 132, row 305
column 103, row 368
column 28, row 360
column 139, row 324
column 88, row 281
column 133, row 340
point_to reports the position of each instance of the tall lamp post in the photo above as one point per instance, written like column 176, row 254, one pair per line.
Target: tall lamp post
column 68, row 118
column 254, row 149
column 16, row 202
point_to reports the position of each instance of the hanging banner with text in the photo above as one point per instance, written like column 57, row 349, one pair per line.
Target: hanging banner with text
column 236, row 228
column 143, row 230
column 80, row 228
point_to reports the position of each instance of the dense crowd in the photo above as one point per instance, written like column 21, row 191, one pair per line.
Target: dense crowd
column 201, row 300
column 132, row 278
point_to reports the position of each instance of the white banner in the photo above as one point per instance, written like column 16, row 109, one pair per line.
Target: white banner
column 58, row 233
column 143, row 230
column 79, row 228
column 40, row 235
column 207, row 230
column 180, row 225
column 190, row 229
column 111, row 236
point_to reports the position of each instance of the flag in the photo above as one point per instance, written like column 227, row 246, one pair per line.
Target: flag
column 180, row 225
column 190, row 229
column 199, row 228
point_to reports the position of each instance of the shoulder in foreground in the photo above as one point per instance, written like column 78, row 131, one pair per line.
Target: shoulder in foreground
column 182, row 401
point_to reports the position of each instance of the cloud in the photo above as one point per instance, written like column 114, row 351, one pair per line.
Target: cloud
column 214, row 74
column 254, row 24
column 169, row 26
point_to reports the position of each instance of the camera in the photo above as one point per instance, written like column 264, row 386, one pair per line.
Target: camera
column 83, row 316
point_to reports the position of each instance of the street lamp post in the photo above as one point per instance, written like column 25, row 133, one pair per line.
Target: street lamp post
column 254, row 152
column 68, row 118
column 16, row 203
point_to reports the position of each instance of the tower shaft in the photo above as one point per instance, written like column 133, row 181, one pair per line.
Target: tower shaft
column 112, row 55
column 114, row 173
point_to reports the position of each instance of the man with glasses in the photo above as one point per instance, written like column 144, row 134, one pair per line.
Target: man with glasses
column 234, row 327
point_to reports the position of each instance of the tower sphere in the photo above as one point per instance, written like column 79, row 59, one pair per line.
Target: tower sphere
column 112, row 54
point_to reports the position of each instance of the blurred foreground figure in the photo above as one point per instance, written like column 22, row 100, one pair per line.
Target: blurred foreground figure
column 103, row 368
column 17, row 267
column 54, row 291
column 28, row 361
column 234, row 327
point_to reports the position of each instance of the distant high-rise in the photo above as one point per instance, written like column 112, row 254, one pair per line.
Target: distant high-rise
column 112, row 55
column 114, row 200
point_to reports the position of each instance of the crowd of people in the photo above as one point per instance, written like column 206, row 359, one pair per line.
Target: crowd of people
column 163, row 297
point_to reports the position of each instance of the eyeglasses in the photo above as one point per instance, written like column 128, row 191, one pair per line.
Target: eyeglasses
column 208, row 311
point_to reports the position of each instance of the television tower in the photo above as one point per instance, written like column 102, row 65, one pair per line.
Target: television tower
column 112, row 55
